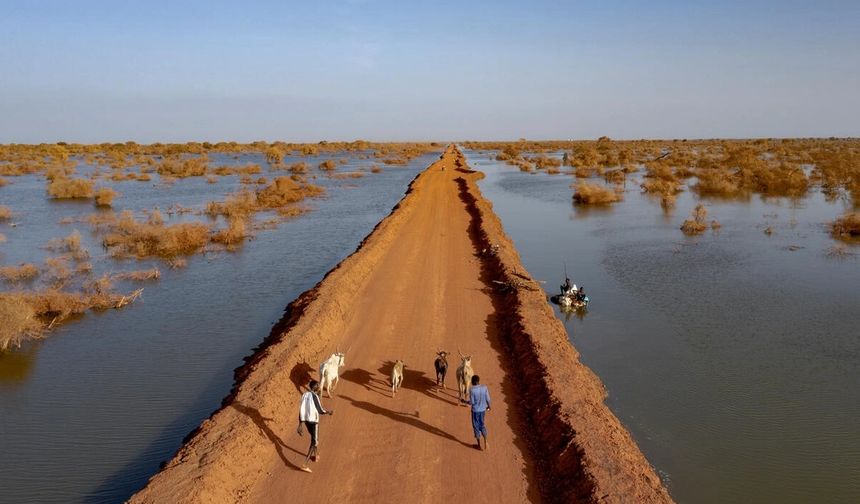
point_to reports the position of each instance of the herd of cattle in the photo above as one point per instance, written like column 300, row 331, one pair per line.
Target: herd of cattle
column 330, row 373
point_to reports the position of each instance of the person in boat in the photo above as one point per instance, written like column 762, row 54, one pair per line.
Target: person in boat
column 567, row 287
column 580, row 295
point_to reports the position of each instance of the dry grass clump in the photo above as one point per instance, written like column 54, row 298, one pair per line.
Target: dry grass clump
column 328, row 165
column 27, row 315
column 239, row 204
column 191, row 167
column 21, row 273
column 70, row 188
column 129, row 238
column 18, row 322
column 346, row 175
column 593, row 194
column 234, row 234
column 105, row 196
column 846, row 227
column 284, row 190
column 70, row 246
column 3, row 181
column 5, row 213
column 375, row 169
column 139, row 276
column 698, row 222
column 299, row 167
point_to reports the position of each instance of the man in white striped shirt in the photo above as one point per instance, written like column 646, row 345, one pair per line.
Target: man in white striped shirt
column 309, row 415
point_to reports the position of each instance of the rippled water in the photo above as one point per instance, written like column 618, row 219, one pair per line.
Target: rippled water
column 88, row 414
column 733, row 357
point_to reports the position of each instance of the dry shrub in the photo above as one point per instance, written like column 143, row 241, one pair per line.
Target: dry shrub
column 328, row 165
column 234, row 234
column 177, row 262
column 139, row 276
column 26, row 315
column 283, row 191
column 57, row 271
column 144, row 177
column 191, row 167
column 211, row 179
column 128, row 237
column 614, row 176
column 346, row 175
column 66, row 188
column 105, row 196
column 239, row 204
column 375, row 169
column 5, row 212
column 698, row 221
column 70, row 245
column 846, row 227
column 593, row 194
column 717, row 182
column 3, row 181
column 21, row 273
column 292, row 211
column 18, row 321
column 300, row 167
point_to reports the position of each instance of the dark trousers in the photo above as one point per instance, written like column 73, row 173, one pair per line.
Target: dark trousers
column 478, row 424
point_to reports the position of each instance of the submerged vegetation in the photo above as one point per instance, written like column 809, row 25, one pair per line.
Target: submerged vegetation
column 733, row 169
column 593, row 194
column 846, row 227
column 264, row 179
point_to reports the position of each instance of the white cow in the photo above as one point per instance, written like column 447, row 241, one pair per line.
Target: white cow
column 396, row 376
column 330, row 372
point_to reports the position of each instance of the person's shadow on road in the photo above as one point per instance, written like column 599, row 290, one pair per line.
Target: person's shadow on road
column 411, row 419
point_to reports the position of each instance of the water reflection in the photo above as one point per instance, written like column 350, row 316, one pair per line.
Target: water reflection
column 16, row 365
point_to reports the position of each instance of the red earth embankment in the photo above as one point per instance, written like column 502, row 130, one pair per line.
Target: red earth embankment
column 418, row 282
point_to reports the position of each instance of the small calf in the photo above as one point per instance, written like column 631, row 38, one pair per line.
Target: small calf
column 441, row 365
column 396, row 376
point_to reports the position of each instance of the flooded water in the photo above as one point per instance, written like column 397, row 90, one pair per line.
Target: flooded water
column 88, row 414
column 732, row 357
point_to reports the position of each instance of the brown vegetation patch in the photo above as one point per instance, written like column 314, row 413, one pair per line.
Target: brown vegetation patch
column 70, row 188
column 697, row 223
column 105, row 196
column 328, row 165
column 234, row 234
column 5, row 212
column 846, row 227
column 593, row 194
column 21, row 273
column 128, row 237
column 176, row 168
column 139, row 276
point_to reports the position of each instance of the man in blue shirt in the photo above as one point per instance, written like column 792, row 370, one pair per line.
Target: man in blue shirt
column 479, row 398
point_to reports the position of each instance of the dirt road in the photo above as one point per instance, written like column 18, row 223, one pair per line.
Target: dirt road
column 418, row 283
column 418, row 446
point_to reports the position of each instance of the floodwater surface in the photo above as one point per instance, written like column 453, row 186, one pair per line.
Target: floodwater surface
column 733, row 357
column 88, row 414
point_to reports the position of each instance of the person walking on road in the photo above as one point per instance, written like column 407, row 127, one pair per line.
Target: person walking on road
column 309, row 415
column 479, row 398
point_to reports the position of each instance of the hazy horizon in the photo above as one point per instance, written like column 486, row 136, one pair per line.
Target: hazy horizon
column 94, row 72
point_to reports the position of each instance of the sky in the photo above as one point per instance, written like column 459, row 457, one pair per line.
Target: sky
column 153, row 71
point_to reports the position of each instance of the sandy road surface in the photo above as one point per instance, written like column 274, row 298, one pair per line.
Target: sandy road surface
column 418, row 446
column 417, row 283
